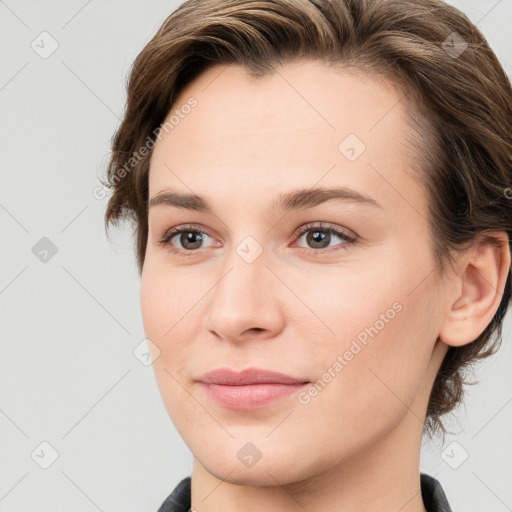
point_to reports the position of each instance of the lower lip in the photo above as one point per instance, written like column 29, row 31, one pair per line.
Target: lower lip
column 251, row 396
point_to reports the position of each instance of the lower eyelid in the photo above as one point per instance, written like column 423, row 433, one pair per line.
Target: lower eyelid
column 347, row 240
column 176, row 234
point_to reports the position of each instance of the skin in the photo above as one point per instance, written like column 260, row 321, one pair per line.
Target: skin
column 355, row 446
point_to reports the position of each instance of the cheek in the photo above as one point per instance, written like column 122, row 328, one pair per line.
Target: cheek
column 166, row 300
column 376, row 351
column 169, row 322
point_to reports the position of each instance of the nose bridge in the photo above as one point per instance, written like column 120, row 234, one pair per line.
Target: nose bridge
column 245, row 275
column 244, row 296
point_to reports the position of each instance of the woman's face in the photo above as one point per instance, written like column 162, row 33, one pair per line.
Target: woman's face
column 253, row 285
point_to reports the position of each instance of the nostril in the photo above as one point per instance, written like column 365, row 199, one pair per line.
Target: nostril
column 256, row 329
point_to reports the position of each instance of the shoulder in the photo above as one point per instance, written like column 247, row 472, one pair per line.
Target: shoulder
column 179, row 499
column 432, row 492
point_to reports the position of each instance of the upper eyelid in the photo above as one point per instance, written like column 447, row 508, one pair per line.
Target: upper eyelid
column 348, row 235
column 324, row 226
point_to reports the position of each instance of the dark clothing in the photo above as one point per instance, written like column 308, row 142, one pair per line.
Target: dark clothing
column 432, row 493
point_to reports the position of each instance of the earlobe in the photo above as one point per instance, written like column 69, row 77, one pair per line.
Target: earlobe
column 477, row 290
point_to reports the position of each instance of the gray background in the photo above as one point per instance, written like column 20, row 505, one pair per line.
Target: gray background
column 68, row 375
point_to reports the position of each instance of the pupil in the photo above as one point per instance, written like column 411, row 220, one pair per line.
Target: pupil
column 189, row 237
column 318, row 237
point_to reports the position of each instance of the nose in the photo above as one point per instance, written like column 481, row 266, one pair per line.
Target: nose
column 247, row 301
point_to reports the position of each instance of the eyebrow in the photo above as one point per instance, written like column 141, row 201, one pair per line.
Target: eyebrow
column 295, row 200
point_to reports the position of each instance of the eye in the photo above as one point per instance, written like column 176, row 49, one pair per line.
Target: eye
column 320, row 236
column 189, row 237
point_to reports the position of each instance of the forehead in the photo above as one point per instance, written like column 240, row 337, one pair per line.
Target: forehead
column 304, row 124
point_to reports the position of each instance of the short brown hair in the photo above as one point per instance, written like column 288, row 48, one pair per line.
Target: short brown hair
column 462, row 114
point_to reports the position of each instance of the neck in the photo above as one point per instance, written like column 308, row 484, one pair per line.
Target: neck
column 383, row 477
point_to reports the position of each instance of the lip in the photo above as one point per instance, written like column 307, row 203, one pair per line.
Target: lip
column 228, row 377
column 249, row 389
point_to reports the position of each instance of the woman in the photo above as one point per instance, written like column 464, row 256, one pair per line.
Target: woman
column 321, row 203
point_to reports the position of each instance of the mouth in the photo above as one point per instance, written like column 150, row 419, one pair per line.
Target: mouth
column 249, row 389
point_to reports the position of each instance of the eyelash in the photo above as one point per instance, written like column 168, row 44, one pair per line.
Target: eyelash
column 192, row 228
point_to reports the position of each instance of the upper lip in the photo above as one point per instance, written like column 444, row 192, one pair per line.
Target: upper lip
column 228, row 377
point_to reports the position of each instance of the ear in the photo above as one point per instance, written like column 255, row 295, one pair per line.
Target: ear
column 475, row 290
